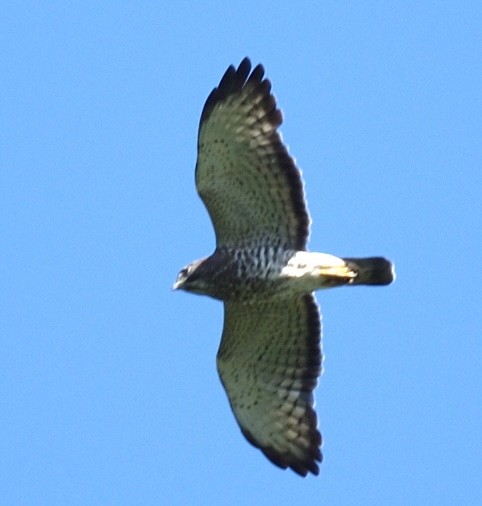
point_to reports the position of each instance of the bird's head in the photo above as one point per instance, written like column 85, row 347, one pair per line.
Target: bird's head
column 190, row 278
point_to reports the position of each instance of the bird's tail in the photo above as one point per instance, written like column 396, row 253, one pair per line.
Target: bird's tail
column 371, row 271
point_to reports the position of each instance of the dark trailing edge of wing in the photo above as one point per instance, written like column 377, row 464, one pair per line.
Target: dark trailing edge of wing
column 232, row 82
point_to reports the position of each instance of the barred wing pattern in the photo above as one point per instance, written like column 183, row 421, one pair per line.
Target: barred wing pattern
column 269, row 361
column 244, row 174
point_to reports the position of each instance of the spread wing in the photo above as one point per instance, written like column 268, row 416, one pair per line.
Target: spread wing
column 269, row 361
column 249, row 183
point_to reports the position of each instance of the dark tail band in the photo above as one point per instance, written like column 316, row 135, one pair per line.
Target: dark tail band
column 371, row 271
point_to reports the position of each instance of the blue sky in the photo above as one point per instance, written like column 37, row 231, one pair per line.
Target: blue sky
column 108, row 384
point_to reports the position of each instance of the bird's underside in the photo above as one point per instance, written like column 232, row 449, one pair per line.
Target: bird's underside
column 270, row 355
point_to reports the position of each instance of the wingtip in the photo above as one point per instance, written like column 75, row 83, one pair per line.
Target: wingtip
column 301, row 465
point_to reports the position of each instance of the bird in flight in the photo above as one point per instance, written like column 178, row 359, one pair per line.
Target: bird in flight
column 270, row 356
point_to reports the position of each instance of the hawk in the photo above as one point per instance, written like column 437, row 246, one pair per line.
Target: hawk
column 270, row 355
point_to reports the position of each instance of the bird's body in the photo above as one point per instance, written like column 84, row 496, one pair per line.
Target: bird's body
column 270, row 355
column 245, row 273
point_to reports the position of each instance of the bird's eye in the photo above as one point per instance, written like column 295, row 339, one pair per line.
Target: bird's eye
column 183, row 273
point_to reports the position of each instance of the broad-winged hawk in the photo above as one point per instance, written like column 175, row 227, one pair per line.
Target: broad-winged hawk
column 270, row 355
